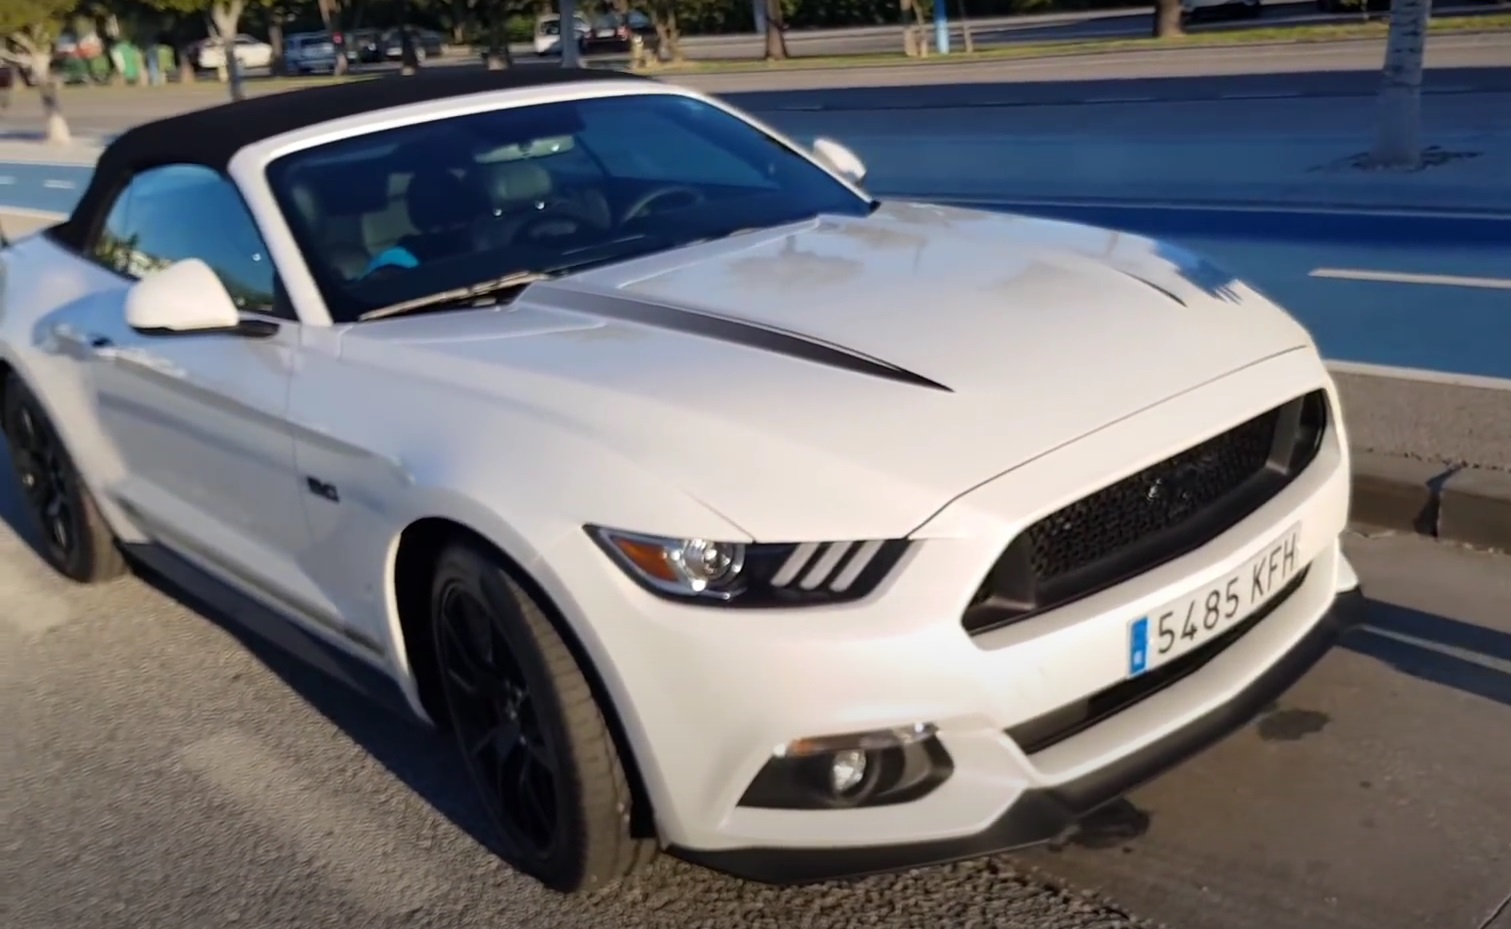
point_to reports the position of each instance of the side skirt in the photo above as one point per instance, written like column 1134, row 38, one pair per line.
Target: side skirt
column 241, row 615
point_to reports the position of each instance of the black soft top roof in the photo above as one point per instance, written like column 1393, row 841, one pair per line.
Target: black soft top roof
column 212, row 136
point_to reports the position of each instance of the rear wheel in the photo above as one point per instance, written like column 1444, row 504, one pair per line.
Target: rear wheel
column 532, row 738
column 72, row 535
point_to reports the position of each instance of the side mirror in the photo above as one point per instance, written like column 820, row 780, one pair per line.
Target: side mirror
column 840, row 159
column 187, row 298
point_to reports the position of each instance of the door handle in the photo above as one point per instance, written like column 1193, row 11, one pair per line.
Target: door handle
column 102, row 347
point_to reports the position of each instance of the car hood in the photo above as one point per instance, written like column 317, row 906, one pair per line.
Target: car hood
column 853, row 375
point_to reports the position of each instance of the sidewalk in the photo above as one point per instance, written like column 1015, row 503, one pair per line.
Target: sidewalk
column 19, row 147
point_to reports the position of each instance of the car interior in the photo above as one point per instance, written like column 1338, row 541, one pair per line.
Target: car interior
column 477, row 197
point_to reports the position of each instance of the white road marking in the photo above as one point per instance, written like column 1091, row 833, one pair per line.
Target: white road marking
column 58, row 185
column 358, row 850
column 1420, row 374
column 1260, row 96
column 7, row 179
column 1402, row 277
column 1453, row 651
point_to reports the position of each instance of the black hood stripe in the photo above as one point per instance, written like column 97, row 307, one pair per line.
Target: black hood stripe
column 738, row 332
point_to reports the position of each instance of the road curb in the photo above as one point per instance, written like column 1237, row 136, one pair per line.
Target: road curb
column 1471, row 506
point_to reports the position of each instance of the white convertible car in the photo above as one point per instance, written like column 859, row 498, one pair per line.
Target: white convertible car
column 716, row 506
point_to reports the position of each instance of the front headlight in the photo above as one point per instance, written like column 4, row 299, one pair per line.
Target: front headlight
column 748, row 574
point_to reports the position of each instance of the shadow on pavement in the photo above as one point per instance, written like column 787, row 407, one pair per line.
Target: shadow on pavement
column 1422, row 645
column 12, row 509
column 363, row 702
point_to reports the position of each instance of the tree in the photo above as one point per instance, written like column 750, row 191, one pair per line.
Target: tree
column 1167, row 19
column 225, row 23
column 914, row 42
column 776, row 38
column 663, row 15
column 409, row 61
column 1398, row 138
column 29, row 30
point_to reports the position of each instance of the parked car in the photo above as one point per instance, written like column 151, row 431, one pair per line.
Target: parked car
column 210, row 54
column 547, row 39
column 364, row 46
column 711, row 503
column 1194, row 9
column 427, row 44
column 613, row 31
column 309, row 53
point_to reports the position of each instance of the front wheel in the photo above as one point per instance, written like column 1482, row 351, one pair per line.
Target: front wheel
column 532, row 737
column 73, row 537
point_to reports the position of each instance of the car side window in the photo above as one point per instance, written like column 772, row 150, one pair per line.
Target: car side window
column 183, row 211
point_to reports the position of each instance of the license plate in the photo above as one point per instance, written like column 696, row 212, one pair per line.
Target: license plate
column 1176, row 628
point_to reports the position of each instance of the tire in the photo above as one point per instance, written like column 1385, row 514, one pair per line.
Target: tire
column 519, row 694
column 72, row 536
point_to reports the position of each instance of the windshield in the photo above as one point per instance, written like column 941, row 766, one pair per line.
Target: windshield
column 399, row 214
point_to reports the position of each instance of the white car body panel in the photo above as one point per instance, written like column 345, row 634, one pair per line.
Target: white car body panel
column 248, row 54
column 1073, row 357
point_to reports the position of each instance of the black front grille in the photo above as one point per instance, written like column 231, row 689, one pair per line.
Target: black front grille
column 1162, row 512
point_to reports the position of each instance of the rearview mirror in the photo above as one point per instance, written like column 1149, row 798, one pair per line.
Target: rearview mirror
column 840, row 159
column 185, row 297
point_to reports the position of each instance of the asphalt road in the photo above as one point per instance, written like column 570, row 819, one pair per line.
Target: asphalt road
column 166, row 767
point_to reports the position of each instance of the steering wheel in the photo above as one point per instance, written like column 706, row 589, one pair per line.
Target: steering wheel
column 660, row 193
column 554, row 221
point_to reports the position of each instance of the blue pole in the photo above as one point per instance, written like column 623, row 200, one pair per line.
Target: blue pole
column 941, row 27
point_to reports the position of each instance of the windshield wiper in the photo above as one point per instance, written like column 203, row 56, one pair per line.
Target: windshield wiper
column 460, row 295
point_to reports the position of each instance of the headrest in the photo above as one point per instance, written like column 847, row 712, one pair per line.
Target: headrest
column 437, row 199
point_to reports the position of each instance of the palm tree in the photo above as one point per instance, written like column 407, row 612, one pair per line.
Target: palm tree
column 1398, row 138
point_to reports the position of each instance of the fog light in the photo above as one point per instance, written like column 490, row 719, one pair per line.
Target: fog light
column 847, row 771
column 862, row 769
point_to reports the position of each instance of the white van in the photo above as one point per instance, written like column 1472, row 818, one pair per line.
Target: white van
column 548, row 33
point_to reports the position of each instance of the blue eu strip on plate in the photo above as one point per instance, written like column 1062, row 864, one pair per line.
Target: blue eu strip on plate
column 1138, row 646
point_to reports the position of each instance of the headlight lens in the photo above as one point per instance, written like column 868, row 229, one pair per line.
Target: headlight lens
column 753, row 575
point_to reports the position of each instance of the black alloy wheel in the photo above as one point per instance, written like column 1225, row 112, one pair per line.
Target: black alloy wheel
column 531, row 736
column 73, row 537
column 497, row 724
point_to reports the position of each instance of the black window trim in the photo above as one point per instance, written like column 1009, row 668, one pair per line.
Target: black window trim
column 97, row 226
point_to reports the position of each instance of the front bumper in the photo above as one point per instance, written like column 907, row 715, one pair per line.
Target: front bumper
column 707, row 698
column 1046, row 813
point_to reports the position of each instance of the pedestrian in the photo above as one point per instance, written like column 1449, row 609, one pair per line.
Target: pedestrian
column 154, row 61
